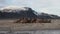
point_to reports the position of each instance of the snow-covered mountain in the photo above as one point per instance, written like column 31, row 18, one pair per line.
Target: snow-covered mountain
column 20, row 12
column 17, row 12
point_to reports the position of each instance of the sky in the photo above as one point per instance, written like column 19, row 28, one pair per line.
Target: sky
column 47, row 6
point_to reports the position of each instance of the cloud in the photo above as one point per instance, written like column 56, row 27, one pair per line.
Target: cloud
column 2, row 3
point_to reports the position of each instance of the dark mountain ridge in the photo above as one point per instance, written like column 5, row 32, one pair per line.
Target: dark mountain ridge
column 18, row 13
column 24, row 13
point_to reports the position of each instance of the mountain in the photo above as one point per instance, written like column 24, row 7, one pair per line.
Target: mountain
column 47, row 16
column 23, row 12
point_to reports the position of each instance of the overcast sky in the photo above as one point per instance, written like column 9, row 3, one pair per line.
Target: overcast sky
column 47, row 6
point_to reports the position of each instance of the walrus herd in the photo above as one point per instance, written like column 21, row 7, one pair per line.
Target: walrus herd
column 34, row 20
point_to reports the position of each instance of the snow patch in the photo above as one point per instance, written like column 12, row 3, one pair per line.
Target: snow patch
column 14, row 8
